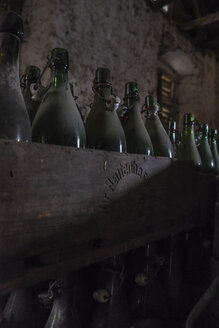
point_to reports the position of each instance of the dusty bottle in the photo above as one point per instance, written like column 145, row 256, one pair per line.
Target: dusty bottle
column 20, row 310
column 187, row 149
column 161, row 142
column 57, row 120
column 64, row 313
column 147, row 295
column 110, row 295
column 213, row 145
column 103, row 127
column 172, row 134
column 205, row 150
column 32, row 74
column 14, row 121
column 137, row 137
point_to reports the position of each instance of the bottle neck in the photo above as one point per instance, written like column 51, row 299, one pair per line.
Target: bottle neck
column 104, row 91
column 152, row 112
column 9, row 47
column 59, row 78
column 172, row 135
column 129, row 101
column 188, row 130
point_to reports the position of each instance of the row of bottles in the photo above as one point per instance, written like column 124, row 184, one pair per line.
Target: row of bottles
column 157, row 283
column 55, row 119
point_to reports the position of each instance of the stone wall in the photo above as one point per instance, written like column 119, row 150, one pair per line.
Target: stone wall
column 126, row 36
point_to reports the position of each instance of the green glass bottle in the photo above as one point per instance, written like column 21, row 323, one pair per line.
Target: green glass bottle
column 205, row 151
column 57, row 120
column 103, row 127
column 172, row 134
column 161, row 142
column 14, row 120
column 64, row 313
column 32, row 74
column 214, row 150
column 137, row 137
column 20, row 310
column 187, row 149
column 110, row 295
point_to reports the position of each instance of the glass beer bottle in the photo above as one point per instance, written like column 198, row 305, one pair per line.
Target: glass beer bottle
column 14, row 120
column 137, row 137
column 57, row 120
column 213, row 145
column 187, row 149
column 205, row 150
column 161, row 142
column 103, row 127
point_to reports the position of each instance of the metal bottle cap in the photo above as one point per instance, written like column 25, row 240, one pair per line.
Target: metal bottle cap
column 32, row 73
column 59, row 58
column 102, row 75
column 150, row 101
column 131, row 89
column 12, row 23
column 172, row 126
column 205, row 128
column 189, row 119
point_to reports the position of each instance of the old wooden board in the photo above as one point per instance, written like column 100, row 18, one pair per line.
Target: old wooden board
column 64, row 208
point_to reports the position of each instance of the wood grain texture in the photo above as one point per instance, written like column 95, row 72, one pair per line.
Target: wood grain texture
column 64, row 208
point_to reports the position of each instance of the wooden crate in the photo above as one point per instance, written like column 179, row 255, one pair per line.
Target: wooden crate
column 64, row 208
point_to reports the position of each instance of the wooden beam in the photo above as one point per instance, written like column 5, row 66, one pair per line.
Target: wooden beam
column 202, row 22
column 63, row 208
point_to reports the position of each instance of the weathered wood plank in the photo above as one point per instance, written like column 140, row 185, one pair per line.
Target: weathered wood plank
column 201, row 22
column 47, row 190
column 75, row 207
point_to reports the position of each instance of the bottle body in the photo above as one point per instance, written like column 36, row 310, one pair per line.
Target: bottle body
column 160, row 140
column 20, row 310
column 205, row 150
column 14, row 121
column 214, row 150
column 63, row 313
column 103, row 129
column 187, row 149
column 57, row 121
column 206, row 155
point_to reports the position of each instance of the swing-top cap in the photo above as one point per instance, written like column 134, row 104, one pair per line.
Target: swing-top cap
column 172, row 126
column 150, row 101
column 189, row 119
column 59, row 58
column 205, row 128
column 32, row 73
column 102, row 75
column 11, row 22
column 131, row 89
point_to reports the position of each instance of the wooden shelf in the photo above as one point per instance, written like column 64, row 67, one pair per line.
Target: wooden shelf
column 64, row 208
